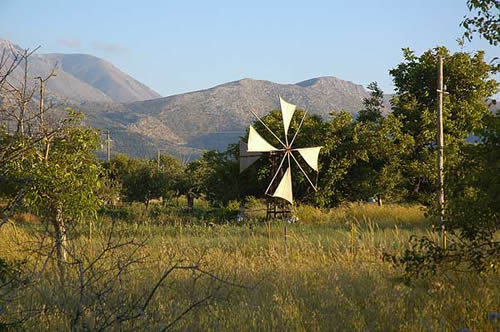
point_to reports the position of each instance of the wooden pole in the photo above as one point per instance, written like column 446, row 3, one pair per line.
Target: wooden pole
column 440, row 156
column 108, row 146
column 41, row 110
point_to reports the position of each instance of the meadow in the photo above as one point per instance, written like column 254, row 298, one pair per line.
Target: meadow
column 328, row 274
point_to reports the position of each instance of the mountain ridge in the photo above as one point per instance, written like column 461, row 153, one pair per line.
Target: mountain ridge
column 214, row 117
column 142, row 122
column 82, row 77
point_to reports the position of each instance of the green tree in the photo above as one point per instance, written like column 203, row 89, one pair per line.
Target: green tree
column 471, row 169
column 474, row 186
column 337, row 157
column 472, row 215
column 145, row 183
column 373, row 106
column 381, row 147
column 60, row 184
column 216, row 175
column 380, row 144
column 173, row 170
column 485, row 22
column 145, row 180
column 119, row 169
column 468, row 82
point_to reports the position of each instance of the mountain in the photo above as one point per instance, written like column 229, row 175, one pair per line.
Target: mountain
column 83, row 77
column 215, row 117
column 141, row 122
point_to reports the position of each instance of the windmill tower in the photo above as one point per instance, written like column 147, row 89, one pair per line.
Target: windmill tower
column 279, row 190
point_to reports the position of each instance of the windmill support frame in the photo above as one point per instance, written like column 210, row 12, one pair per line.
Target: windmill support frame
column 275, row 207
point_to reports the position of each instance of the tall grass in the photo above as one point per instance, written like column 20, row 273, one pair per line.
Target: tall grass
column 328, row 275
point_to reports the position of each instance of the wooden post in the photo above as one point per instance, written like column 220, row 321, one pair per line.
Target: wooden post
column 108, row 146
column 41, row 110
column 286, row 238
column 440, row 156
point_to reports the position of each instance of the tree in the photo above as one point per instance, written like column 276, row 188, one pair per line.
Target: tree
column 381, row 145
column 48, row 157
column 377, row 173
column 468, row 82
column 373, row 106
column 474, row 192
column 472, row 212
column 472, row 215
column 63, row 188
column 337, row 157
column 485, row 22
column 216, row 175
column 145, row 183
column 173, row 170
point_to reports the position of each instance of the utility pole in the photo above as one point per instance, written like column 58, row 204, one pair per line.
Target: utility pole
column 41, row 110
column 158, row 158
column 440, row 141
column 108, row 146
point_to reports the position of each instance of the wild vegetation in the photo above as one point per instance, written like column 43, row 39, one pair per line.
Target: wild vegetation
column 131, row 244
column 332, row 273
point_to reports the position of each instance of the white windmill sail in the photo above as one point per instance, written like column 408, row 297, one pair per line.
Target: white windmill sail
column 256, row 143
column 284, row 189
column 247, row 158
column 310, row 155
column 287, row 111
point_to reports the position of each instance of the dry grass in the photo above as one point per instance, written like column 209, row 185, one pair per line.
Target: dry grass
column 25, row 218
column 329, row 276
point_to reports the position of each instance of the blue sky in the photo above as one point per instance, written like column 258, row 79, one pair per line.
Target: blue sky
column 180, row 46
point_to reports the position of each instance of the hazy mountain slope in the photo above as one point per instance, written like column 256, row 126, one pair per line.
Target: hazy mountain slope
column 63, row 85
column 81, row 77
column 215, row 117
column 103, row 76
column 228, row 107
column 141, row 123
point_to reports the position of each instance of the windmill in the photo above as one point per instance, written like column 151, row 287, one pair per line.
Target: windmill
column 279, row 189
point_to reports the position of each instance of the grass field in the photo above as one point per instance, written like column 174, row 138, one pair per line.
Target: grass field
column 328, row 275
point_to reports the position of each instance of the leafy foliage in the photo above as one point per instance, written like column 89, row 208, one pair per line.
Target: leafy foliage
column 144, row 180
column 60, row 173
column 425, row 257
column 468, row 83
column 471, row 169
column 372, row 111
column 485, row 22
column 69, row 177
column 215, row 175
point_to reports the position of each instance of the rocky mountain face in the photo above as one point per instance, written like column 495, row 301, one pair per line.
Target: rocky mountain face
column 141, row 122
column 82, row 77
column 213, row 118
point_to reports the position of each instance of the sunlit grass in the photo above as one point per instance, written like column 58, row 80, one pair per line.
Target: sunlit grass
column 327, row 274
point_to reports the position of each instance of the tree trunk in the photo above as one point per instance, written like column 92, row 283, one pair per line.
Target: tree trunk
column 60, row 237
column 190, row 201
column 379, row 200
column 416, row 189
